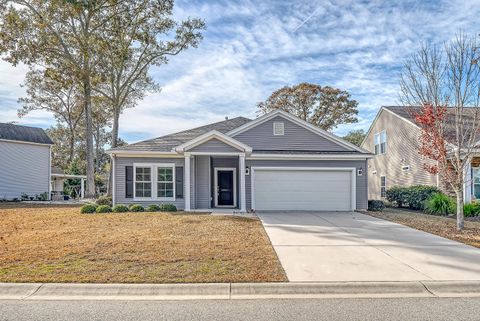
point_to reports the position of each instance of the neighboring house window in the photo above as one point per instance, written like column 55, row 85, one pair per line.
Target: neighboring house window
column 476, row 182
column 143, row 182
column 278, row 129
column 383, row 186
column 165, row 182
column 380, row 141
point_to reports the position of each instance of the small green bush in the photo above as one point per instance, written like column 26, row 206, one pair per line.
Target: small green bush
column 153, row 208
column 168, row 208
column 440, row 203
column 120, row 208
column 104, row 200
column 414, row 196
column 88, row 208
column 136, row 208
column 103, row 209
column 471, row 209
column 397, row 195
column 376, row 205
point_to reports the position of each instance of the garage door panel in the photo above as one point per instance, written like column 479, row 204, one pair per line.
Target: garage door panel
column 302, row 189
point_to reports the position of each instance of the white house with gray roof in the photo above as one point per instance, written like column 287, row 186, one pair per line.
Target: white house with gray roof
column 24, row 160
column 275, row 162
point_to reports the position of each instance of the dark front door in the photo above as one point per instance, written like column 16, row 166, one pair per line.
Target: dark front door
column 225, row 188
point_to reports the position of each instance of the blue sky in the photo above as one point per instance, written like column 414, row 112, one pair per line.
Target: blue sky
column 251, row 48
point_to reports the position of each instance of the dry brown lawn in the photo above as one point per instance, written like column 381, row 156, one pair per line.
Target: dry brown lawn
column 439, row 225
column 58, row 244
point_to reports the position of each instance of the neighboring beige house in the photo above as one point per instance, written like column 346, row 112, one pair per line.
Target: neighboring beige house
column 393, row 138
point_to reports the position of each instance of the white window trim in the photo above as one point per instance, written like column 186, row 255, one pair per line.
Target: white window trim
column 234, row 171
column 379, row 134
column 281, row 128
column 385, row 186
column 154, row 176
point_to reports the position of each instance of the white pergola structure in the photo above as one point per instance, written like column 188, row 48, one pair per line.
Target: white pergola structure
column 57, row 180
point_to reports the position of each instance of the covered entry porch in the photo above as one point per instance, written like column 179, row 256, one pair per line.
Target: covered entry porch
column 216, row 180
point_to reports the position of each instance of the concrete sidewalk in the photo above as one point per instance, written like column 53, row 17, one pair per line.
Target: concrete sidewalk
column 227, row 291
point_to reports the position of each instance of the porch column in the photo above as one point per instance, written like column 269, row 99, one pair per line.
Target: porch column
column 187, row 183
column 243, row 201
column 82, row 188
column 467, row 183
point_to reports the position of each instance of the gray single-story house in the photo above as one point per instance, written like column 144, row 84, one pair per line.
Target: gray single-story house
column 25, row 161
column 274, row 162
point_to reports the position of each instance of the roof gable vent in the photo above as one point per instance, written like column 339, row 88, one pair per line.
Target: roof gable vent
column 278, row 129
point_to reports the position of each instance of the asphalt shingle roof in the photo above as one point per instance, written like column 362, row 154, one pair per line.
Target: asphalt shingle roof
column 168, row 142
column 471, row 116
column 24, row 134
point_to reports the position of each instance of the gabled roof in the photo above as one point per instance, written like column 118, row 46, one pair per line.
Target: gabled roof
column 168, row 142
column 300, row 122
column 24, row 134
column 214, row 134
column 407, row 113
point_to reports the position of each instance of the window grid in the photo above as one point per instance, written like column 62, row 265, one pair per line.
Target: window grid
column 383, row 186
column 143, row 182
column 165, row 182
column 380, row 142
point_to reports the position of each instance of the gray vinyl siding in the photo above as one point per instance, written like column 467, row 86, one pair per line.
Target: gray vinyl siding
column 361, row 182
column 402, row 149
column 214, row 146
column 226, row 162
column 25, row 168
column 296, row 138
column 202, row 182
column 122, row 162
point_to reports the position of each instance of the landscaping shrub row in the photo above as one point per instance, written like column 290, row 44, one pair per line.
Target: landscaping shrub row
column 413, row 197
column 96, row 208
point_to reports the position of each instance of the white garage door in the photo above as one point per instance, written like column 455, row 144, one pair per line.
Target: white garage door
column 305, row 189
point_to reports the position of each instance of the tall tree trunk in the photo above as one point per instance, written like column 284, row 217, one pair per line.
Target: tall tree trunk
column 116, row 119
column 460, row 217
column 90, row 188
column 71, row 147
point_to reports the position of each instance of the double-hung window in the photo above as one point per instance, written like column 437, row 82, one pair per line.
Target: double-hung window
column 380, row 141
column 154, row 181
column 383, row 186
column 143, row 182
column 165, row 182
column 476, row 182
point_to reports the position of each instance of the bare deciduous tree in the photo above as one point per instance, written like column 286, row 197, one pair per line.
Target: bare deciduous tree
column 445, row 82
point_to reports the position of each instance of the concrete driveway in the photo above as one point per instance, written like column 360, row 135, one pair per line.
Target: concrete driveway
column 337, row 246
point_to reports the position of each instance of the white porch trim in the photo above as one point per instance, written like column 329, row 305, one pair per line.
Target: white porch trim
column 241, row 167
column 213, row 135
column 187, row 183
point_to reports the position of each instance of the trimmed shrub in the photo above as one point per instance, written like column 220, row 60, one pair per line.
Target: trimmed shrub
column 136, row 208
column 376, row 205
column 440, row 203
column 397, row 195
column 168, row 208
column 471, row 209
column 88, row 208
column 414, row 196
column 104, row 200
column 103, row 209
column 153, row 208
column 120, row 208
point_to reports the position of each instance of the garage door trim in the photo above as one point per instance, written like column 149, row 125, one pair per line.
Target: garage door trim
column 353, row 170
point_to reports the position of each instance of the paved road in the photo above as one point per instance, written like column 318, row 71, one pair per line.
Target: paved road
column 326, row 309
column 336, row 246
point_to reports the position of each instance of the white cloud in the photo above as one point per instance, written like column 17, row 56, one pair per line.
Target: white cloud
column 252, row 48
